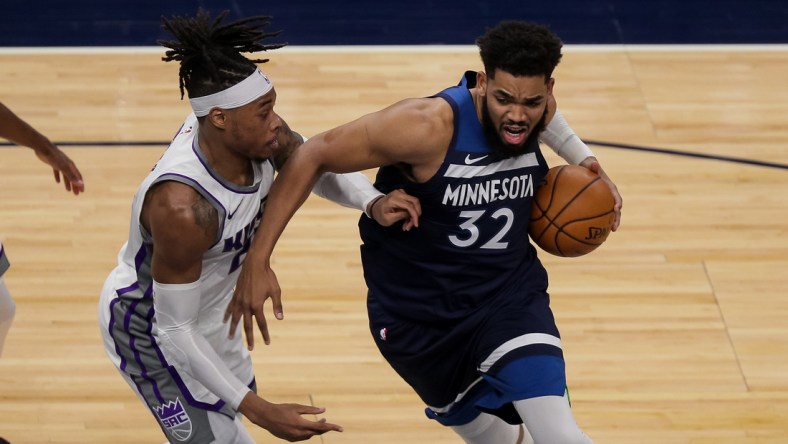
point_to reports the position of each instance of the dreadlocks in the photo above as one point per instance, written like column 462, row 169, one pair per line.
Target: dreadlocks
column 210, row 53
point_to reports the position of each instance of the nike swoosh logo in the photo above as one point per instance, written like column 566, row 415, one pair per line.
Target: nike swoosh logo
column 469, row 161
column 232, row 213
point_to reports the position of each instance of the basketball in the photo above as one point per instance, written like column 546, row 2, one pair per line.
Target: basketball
column 572, row 211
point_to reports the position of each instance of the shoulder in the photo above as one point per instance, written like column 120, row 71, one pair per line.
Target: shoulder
column 418, row 128
column 431, row 109
column 419, row 119
column 175, row 209
column 183, row 226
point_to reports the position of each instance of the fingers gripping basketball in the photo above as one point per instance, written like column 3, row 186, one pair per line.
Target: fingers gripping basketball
column 572, row 211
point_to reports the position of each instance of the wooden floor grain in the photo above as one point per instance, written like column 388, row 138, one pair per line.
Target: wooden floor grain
column 675, row 331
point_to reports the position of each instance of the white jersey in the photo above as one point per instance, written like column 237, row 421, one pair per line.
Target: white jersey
column 127, row 317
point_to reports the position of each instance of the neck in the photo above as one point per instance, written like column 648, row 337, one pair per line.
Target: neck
column 477, row 102
column 222, row 160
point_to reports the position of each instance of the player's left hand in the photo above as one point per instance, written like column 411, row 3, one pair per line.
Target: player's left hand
column 593, row 164
column 256, row 283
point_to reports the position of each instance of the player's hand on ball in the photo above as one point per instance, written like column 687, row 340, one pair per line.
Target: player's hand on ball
column 592, row 164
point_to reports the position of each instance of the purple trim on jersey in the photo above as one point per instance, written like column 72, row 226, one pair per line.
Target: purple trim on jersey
column 155, row 388
column 186, row 180
column 110, row 328
column 229, row 185
column 143, row 369
column 129, row 313
column 189, row 398
column 135, row 351
column 148, row 294
column 137, row 357
column 139, row 258
column 128, row 289
column 156, row 348
column 149, row 330
column 177, row 132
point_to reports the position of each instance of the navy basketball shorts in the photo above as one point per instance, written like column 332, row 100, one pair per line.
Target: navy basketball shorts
column 508, row 350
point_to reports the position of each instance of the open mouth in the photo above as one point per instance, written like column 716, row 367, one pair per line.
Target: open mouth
column 514, row 134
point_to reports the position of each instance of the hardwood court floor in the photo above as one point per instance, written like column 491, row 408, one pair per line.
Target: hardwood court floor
column 675, row 331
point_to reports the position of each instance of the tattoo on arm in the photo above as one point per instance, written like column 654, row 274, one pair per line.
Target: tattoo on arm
column 206, row 216
column 289, row 141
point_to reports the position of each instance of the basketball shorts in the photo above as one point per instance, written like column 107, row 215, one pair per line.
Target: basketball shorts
column 185, row 410
column 506, row 351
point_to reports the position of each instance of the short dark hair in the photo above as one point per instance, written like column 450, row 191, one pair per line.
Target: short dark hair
column 520, row 48
column 210, row 52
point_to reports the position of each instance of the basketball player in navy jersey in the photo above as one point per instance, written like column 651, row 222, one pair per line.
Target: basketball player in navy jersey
column 458, row 305
column 193, row 218
column 13, row 128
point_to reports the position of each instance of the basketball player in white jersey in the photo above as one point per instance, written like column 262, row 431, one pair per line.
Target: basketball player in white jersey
column 13, row 128
column 192, row 222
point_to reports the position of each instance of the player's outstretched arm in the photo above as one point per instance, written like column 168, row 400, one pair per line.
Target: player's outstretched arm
column 18, row 131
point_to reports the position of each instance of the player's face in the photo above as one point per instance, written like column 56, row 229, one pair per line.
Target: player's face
column 513, row 109
column 254, row 128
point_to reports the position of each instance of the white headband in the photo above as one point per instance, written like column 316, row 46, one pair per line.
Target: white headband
column 248, row 90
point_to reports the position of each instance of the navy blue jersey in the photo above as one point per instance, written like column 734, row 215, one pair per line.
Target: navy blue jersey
column 472, row 244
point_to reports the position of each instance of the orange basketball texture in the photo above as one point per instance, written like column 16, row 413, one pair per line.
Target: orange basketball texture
column 572, row 211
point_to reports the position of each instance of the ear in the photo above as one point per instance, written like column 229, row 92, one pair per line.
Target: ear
column 550, row 84
column 481, row 82
column 217, row 117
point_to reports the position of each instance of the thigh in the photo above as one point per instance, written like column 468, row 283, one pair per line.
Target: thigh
column 181, row 405
column 436, row 361
column 183, row 421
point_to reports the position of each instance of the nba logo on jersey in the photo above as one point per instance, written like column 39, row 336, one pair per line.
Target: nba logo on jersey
column 175, row 419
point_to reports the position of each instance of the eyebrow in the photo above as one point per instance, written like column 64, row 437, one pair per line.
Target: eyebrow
column 527, row 99
column 266, row 102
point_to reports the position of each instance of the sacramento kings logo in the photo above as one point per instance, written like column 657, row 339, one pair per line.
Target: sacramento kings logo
column 175, row 419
